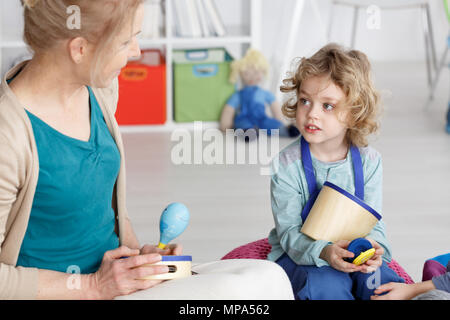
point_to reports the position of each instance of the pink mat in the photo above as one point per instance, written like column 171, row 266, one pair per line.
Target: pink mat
column 260, row 249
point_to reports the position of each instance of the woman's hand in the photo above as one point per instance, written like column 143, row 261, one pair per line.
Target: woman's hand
column 335, row 254
column 171, row 249
column 117, row 276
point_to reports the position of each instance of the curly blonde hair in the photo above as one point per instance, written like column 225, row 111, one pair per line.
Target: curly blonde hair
column 350, row 71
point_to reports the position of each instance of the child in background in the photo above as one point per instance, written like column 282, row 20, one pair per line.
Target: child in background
column 335, row 107
column 436, row 289
column 435, row 283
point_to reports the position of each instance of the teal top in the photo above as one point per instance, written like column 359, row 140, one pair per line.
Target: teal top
column 72, row 222
column 289, row 193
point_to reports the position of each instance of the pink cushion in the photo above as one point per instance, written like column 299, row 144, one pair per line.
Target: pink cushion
column 260, row 249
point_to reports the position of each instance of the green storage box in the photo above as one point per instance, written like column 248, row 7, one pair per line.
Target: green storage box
column 201, row 85
column 200, row 55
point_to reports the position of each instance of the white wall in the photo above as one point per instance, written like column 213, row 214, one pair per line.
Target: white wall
column 399, row 38
column 12, row 21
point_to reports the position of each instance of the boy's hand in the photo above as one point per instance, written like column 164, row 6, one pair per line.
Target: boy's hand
column 335, row 254
column 376, row 261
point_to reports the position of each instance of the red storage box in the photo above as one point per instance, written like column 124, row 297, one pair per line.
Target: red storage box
column 142, row 91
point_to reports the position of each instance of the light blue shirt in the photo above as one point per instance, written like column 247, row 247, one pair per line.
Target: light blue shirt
column 289, row 193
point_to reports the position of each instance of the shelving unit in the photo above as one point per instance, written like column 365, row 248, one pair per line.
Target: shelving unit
column 244, row 36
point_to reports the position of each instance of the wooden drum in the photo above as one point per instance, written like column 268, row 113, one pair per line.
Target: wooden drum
column 339, row 215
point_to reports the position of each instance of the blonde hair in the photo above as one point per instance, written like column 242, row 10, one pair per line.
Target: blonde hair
column 253, row 59
column 45, row 23
column 349, row 70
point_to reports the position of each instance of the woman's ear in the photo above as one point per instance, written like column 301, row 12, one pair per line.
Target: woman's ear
column 78, row 49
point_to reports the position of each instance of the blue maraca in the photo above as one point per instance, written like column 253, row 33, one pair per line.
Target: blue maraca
column 173, row 221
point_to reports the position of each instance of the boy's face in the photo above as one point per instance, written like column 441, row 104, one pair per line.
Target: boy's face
column 320, row 113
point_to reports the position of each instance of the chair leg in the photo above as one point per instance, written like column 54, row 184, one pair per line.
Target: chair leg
column 431, row 37
column 440, row 67
column 318, row 15
column 330, row 23
column 427, row 45
column 354, row 26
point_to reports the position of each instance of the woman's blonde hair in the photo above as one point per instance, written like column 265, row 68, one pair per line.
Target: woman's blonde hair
column 46, row 23
column 253, row 59
column 349, row 70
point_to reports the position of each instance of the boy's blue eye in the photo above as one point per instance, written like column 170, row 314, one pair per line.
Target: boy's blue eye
column 304, row 102
column 328, row 107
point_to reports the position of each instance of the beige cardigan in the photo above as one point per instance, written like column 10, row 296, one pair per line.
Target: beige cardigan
column 19, row 171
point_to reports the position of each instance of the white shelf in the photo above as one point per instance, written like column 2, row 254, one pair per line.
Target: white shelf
column 240, row 35
column 11, row 42
column 189, row 126
column 208, row 41
column 235, row 35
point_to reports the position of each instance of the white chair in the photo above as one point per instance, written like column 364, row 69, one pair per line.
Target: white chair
column 421, row 5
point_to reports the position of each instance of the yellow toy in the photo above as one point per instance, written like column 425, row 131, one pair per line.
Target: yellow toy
column 363, row 250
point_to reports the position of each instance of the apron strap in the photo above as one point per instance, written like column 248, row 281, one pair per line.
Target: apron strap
column 358, row 172
column 311, row 177
column 308, row 167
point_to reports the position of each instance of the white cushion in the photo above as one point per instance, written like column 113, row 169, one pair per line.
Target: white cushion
column 236, row 279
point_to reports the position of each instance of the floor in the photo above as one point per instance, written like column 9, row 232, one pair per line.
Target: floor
column 230, row 203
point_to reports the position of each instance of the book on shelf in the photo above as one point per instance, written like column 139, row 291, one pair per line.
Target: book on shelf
column 193, row 18
column 151, row 24
column 202, row 18
column 214, row 18
column 197, row 18
column 182, row 25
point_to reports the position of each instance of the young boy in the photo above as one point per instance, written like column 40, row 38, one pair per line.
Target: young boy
column 335, row 107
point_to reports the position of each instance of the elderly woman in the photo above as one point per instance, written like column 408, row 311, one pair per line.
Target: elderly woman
column 62, row 171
